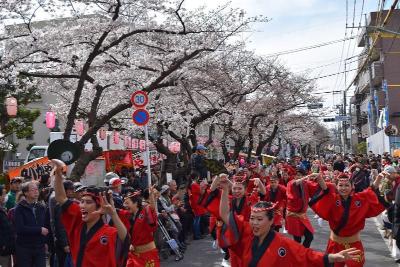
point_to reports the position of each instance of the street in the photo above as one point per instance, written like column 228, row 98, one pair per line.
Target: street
column 201, row 253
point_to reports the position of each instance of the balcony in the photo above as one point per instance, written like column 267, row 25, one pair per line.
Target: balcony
column 363, row 83
column 377, row 73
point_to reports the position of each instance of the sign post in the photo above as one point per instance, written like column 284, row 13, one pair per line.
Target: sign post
column 141, row 117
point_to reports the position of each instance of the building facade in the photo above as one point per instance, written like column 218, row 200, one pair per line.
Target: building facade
column 376, row 100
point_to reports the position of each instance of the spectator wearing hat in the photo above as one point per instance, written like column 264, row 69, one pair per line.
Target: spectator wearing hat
column 197, row 161
column 115, row 185
column 15, row 187
column 6, row 233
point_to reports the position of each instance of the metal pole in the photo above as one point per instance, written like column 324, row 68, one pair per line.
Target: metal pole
column 372, row 122
column 351, row 128
column 146, row 136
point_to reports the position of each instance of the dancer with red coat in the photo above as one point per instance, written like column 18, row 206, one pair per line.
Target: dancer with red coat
column 92, row 243
column 298, row 193
column 239, row 203
column 276, row 193
column 141, row 220
column 346, row 213
column 259, row 246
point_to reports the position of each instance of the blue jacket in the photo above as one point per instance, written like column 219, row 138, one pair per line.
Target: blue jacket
column 29, row 220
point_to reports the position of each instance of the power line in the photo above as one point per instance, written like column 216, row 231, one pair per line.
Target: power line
column 329, row 64
column 308, row 47
column 329, row 75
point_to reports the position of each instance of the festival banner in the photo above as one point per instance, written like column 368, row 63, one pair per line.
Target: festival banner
column 32, row 170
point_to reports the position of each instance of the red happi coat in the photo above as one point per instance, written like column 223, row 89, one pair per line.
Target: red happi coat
column 195, row 199
column 243, row 210
column 278, row 196
column 347, row 217
column 141, row 229
column 239, row 206
column 297, row 202
column 103, row 247
column 276, row 250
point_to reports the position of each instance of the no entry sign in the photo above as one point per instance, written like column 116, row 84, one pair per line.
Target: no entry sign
column 140, row 117
column 139, row 99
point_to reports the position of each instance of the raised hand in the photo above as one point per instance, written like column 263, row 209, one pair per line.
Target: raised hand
column 106, row 207
column 58, row 166
column 347, row 254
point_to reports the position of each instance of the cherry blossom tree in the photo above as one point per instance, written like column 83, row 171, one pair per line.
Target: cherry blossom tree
column 93, row 54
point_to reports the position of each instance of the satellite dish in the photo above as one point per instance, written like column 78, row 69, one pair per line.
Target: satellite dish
column 391, row 130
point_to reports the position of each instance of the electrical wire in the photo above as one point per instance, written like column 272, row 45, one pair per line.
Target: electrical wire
column 308, row 47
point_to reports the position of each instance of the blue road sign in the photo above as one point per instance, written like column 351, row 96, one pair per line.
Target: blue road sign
column 140, row 117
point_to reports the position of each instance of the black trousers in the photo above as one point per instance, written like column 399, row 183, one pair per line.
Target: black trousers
column 31, row 256
column 308, row 238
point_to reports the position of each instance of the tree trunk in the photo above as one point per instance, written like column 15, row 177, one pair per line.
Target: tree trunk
column 239, row 143
column 85, row 158
column 267, row 140
column 224, row 149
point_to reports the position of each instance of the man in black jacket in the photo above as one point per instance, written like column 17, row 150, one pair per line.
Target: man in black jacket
column 31, row 228
column 6, row 234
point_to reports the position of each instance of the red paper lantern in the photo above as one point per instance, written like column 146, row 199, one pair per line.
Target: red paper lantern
column 175, row 147
column 128, row 142
column 11, row 106
column 79, row 127
column 102, row 133
column 50, row 119
column 115, row 137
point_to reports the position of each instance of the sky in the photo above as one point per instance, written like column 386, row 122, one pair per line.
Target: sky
column 301, row 23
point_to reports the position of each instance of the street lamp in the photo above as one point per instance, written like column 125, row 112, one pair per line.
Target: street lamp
column 11, row 106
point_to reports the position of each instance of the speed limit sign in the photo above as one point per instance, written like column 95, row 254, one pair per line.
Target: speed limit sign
column 139, row 99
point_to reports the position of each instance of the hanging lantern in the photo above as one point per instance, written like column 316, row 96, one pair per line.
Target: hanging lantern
column 175, row 147
column 135, row 144
column 50, row 119
column 127, row 141
column 102, row 133
column 79, row 127
column 11, row 106
column 142, row 145
column 115, row 137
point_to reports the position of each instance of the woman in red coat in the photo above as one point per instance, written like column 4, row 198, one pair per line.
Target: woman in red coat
column 258, row 245
column 299, row 192
column 276, row 193
column 346, row 213
column 239, row 202
column 140, row 218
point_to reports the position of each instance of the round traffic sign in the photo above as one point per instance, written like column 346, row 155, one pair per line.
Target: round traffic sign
column 140, row 117
column 139, row 99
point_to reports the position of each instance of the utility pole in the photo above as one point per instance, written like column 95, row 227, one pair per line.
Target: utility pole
column 351, row 128
column 372, row 121
column 344, row 123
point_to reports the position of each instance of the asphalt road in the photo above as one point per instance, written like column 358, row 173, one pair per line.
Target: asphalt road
column 201, row 253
